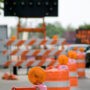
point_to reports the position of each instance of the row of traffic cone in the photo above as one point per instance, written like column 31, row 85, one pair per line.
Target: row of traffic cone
column 8, row 76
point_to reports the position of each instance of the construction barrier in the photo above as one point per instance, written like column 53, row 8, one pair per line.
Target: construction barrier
column 34, row 53
column 57, row 79
column 15, row 49
column 34, row 42
column 19, row 52
column 72, row 65
column 81, row 65
column 30, row 63
column 7, row 63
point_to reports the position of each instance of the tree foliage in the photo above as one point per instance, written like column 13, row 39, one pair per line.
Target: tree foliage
column 84, row 27
column 1, row 0
column 53, row 29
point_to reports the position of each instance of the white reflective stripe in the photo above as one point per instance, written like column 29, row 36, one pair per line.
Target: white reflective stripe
column 36, row 62
column 56, row 63
column 41, row 52
column 72, row 61
column 59, row 42
column 57, row 84
column 47, row 62
column 25, row 62
column 13, row 63
column 13, row 47
column 6, row 41
column 63, row 67
column 53, row 52
column 15, row 42
column 27, row 41
column 19, row 52
column 73, row 74
column 73, row 88
column 30, row 52
column 49, row 42
column 80, row 61
column 37, row 42
column 81, row 70
column 8, row 52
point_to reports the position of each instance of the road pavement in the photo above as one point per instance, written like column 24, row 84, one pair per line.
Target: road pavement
column 84, row 84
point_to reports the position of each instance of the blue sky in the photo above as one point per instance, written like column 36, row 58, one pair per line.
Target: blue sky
column 71, row 12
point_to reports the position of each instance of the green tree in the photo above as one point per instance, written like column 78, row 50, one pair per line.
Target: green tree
column 85, row 26
column 53, row 29
column 1, row 0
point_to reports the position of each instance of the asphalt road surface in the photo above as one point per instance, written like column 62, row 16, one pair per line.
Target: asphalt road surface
column 84, row 84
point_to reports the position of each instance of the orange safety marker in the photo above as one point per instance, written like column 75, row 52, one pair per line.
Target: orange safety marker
column 37, row 76
column 55, row 37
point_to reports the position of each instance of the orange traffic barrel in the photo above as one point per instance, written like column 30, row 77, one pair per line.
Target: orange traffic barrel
column 57, row 78
column 23, row 88
column 72, row 65
column 81, row 65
